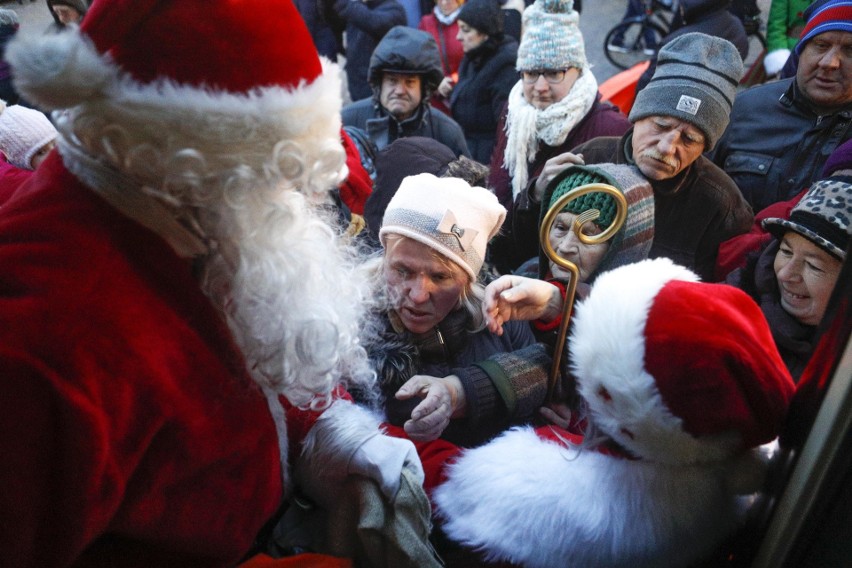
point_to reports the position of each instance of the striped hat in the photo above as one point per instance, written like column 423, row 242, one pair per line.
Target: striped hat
column 695, row 81
column 834, row 15
column 633, row 242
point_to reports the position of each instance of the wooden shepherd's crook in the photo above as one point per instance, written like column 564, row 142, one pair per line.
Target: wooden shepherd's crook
column 544, row 238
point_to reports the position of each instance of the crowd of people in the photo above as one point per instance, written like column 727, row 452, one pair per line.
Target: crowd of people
column 256, row 307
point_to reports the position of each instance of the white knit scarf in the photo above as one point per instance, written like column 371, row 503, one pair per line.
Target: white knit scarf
column 526, row 125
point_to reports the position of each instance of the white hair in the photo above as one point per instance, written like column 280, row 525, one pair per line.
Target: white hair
column 291, row 290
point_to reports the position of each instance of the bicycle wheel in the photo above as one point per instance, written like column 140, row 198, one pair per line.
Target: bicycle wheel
column 632, row 41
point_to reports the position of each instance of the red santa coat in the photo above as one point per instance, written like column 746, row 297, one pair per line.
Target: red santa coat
column 130, row 432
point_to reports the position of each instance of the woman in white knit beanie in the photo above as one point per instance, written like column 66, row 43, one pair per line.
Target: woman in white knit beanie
column 26, row 136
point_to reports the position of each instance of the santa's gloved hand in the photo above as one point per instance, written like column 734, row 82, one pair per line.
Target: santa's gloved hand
column 775, row 60
column 346, row 440
column 443, row 399
column 382, row 459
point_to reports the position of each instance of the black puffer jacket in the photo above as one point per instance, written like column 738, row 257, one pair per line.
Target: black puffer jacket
column 486, row 76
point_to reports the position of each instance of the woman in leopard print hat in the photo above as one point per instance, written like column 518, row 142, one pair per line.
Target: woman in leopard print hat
column 793, row 277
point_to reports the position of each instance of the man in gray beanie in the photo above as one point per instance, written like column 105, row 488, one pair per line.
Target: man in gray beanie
column 680, row 115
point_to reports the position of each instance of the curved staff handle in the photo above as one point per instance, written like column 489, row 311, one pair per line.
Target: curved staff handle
column 544, row 239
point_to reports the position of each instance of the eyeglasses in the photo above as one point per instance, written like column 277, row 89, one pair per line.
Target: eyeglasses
column 551, row 77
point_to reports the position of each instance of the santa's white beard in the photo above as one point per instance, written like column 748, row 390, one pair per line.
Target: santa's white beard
column 294, row 295
column 291, row 291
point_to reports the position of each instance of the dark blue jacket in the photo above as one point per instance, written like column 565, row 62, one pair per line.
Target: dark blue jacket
column 486, row 76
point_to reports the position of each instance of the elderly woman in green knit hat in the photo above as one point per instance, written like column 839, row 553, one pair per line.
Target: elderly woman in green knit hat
column 537, row 290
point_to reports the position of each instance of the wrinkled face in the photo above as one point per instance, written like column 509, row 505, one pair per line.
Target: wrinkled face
column 67, row 14
column 424, row 286
column 664, row 146
column 824, row 73
column 587, row 258
column 806, row 277
column 447, row 7
column 400, row 94
column 542, row 88
column 42, row 153
column 469, row 37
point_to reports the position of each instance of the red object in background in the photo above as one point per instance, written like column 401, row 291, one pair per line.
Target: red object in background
column 620, row 89
column 357, row 186
column 734, row 252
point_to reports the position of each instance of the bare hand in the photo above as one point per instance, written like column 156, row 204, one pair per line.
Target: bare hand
column 445, row 89
column 551, row 168
column 519, row 298
column 558, row 414
column 443, row 399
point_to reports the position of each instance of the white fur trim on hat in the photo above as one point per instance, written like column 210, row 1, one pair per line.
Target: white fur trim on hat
column 446, row 214
column 612, row 320
column 65, row 71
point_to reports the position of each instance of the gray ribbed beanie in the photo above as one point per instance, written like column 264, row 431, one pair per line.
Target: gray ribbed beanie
column 552, row 38
column 695, row 81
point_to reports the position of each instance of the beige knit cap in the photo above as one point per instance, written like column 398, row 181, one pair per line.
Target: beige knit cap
column 23, row 132
column 446, row 214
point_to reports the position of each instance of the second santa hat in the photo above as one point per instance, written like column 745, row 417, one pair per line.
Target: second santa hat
column 676, row 370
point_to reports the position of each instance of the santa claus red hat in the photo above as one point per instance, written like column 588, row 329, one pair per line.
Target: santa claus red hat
column 213, row 62
column 676, row 370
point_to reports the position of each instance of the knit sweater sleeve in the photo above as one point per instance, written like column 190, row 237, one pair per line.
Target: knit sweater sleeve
column 520, row 378
column 508, row 385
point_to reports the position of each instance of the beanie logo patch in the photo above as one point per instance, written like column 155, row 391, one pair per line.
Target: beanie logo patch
column 688, row 104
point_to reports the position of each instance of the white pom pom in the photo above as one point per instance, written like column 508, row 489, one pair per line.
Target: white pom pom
column 59, row 70
column 775, row 60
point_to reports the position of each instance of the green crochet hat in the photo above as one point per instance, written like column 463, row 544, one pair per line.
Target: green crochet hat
column 632, row 242
column 597, row 200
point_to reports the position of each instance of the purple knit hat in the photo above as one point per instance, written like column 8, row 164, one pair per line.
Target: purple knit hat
column 840, row 159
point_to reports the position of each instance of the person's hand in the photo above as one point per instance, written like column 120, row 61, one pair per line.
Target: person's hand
column 552, row 167
column 443, row 399
column 557, row 413
column 445, row 89
column 519, row 298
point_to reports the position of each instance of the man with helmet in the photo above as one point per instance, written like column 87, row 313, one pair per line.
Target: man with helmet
column 405, row 70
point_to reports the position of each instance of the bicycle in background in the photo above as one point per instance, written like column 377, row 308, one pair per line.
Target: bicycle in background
column 637, row 37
